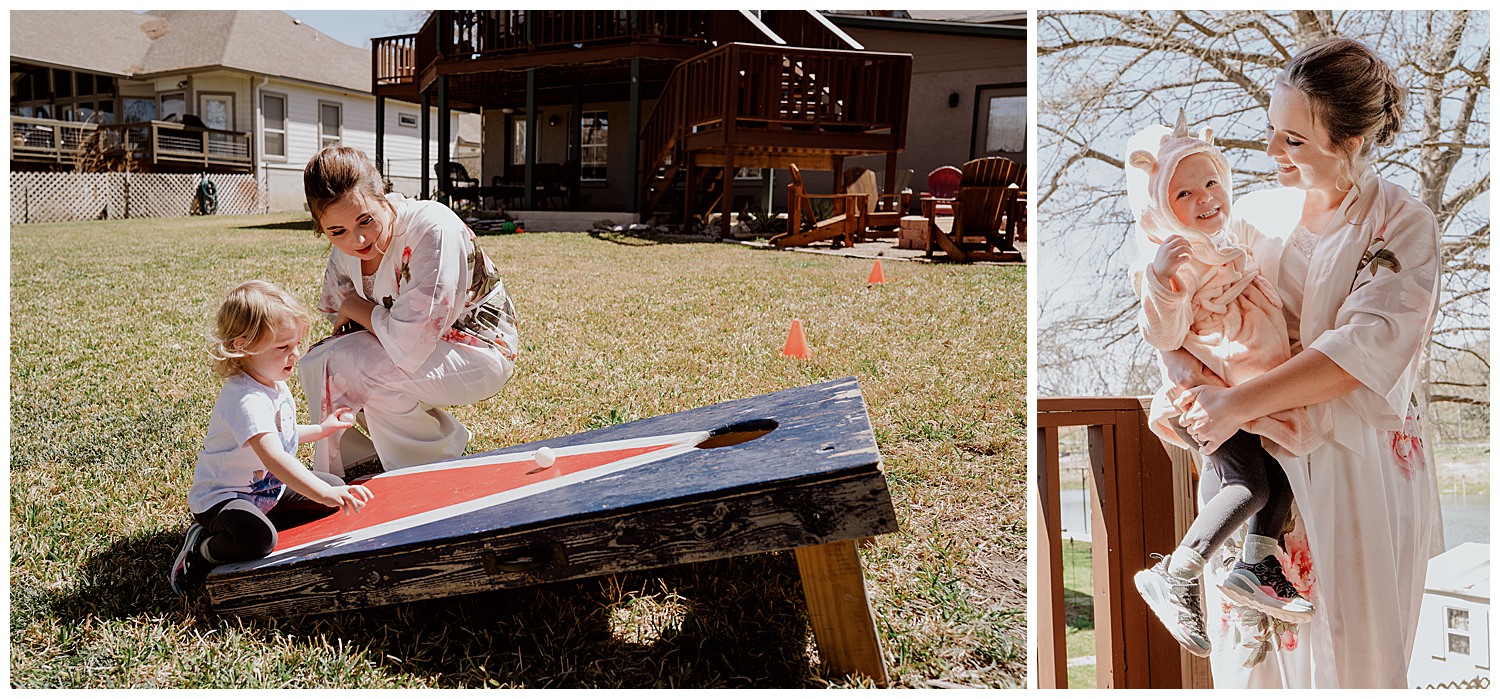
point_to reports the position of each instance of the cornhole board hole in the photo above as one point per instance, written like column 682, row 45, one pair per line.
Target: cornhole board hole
column 797, row 469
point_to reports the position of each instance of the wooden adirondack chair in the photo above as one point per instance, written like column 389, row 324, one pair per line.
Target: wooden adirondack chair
column 802, row 224
column 883, row 212
column 986, row 195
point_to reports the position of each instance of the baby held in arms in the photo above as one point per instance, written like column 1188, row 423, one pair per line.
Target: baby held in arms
column 1202, row 291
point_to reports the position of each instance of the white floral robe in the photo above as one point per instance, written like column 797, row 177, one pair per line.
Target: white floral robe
column 443, row 333
column 1366, row 501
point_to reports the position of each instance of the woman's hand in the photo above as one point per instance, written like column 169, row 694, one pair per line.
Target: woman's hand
column 1213, row 417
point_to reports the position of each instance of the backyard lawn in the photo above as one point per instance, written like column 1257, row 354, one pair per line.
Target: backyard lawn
column 111, row 392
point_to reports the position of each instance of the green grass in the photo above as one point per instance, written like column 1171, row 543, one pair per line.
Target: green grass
column 1078, row 610
column 110, row 396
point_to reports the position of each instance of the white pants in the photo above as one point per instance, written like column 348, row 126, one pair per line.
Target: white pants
column 402, row 411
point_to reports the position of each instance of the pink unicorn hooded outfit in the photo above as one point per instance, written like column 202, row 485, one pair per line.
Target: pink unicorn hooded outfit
column 1217, row 305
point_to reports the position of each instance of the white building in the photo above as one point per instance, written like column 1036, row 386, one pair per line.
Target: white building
column 1453, row 630
column 263, row 73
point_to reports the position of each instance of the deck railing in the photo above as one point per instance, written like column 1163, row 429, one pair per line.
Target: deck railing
column 479, row 34
column 154, row 142
column 163, row 142
column 1141, row 500
column 48, row 140
column 754, row 86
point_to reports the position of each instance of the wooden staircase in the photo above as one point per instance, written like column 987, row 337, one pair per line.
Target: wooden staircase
column 761, row 106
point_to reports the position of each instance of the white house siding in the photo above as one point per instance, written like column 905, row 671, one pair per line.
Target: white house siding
column 403, row 147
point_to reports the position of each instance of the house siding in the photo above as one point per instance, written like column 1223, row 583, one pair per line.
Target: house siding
column 403, row 146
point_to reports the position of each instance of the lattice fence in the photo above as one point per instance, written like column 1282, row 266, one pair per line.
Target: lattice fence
column 46, row 197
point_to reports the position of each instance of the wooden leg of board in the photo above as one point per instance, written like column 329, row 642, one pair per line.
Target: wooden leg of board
column 842, row 623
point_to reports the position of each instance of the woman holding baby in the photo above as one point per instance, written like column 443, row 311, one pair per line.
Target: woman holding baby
column 1355, row 260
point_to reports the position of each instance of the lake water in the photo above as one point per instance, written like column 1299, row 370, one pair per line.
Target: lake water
column 1465, row 518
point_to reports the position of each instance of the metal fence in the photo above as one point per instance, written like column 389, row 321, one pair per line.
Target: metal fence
column 48, row 197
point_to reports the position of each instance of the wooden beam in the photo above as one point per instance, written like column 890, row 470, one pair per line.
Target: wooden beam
column 1051, row 612
column 1109, row 639
column 839, row 610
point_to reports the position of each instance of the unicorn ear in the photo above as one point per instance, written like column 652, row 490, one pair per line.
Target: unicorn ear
column 1144, row 160
column 1208, row 135
column 1180, row 128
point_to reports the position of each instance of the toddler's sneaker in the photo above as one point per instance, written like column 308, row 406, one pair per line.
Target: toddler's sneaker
column 1177, row 603
column 1263, row 586
column 191, row 568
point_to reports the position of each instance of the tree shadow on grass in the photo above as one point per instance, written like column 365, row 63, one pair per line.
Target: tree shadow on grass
column 648, row 238
column 298, row 225
column 730, row 623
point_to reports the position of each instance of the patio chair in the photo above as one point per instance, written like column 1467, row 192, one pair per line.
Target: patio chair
column 502, row 190
column 987, row 191
column 802, row 224
column 883, row 211
column 942, row 183
column 457, row 184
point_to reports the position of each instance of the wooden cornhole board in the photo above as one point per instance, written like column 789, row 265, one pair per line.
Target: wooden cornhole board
column 692, row 486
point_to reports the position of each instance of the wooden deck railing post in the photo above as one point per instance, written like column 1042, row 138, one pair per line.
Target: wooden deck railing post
column 1051, row 613
column 1134, row 498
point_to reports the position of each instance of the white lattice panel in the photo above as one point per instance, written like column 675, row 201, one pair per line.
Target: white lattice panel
column 46, row 197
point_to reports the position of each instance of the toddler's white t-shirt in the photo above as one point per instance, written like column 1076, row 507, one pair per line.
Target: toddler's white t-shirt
column 227, row 467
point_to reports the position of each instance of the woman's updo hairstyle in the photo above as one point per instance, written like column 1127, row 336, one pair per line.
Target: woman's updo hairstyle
column 334, row 173
column 1353, row 92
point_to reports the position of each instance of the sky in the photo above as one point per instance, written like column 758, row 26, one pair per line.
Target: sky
column 357, row 27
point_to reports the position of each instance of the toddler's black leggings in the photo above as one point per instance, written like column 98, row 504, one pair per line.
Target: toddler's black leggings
column 239, row 531
column 1253, row 489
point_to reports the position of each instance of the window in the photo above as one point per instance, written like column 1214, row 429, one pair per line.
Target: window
column 273, row 125
column 1457, row 623
column 330, row 124
column 138, row 109
column 407, row 120
column 999, row 121
column 1006, row 126
column 595, row 147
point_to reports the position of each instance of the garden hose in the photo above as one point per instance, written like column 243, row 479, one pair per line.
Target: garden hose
column 208, row 197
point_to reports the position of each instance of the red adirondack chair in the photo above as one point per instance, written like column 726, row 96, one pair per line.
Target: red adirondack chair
column 942, row 184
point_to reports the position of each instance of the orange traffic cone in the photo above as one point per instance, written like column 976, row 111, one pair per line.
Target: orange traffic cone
column 877, row 275
column 796, row 343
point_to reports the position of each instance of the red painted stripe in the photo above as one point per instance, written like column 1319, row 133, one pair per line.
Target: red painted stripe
column 398, row 496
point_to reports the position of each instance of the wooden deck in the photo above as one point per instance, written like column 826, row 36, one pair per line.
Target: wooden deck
column 1141, row 499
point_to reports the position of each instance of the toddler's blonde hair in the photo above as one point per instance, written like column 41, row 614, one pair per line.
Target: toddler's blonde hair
column 248, row 319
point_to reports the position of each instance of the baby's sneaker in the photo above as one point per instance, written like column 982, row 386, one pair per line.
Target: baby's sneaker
column 1177, row 603
column 190, row 568
column 1263, row 585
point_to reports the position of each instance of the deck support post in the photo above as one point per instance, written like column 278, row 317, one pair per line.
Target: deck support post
column 528, row 201
column 445, row 127
column 633, row 127
column 426, row 144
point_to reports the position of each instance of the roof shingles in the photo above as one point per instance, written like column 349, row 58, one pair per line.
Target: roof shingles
column 261, row 42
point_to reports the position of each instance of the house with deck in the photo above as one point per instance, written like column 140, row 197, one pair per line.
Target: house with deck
column 687, row 115
column 232, row 92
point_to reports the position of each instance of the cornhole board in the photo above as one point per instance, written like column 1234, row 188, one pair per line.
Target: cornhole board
column 797, row 469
